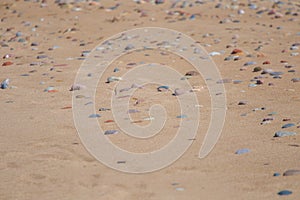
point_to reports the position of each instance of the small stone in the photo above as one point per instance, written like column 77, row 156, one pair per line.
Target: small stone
column 116, row 69
column 250, row 63
column 214, row 53
column 113, row 78
column 85, row 53
column 111, row 132
column 7, row 63
column 104, row 109
column 291, row 172
column 77, row 87
column 129, row 47
column 179, row 189
column 192, row 73
column 276, row 73
column 276, row 174
column 4, row 84
column 181, row 116
column 284, row 133
column 288, row 125
column 242, row 103
column 257, row 69
column 178, row 92
column 18, row 34
column 259, row 82
column 266, row 62
column 163, row 88
column 267, row 71
column 41, row 56
column 224, row 81
column 237, row 51
column 49, row 89
column 284, row 192
column 34, row 44
column 295, row 80
column 94, row 116
column 242, row 151
column 133, row 111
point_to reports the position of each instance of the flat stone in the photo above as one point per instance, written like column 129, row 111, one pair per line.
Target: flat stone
column 242, row 151
column 284, row 133
column 288, row 125
column 284, row 192
column 291, row 172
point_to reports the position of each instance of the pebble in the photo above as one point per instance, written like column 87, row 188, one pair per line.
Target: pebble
column 133, row 111
column 94, row 116
column 257, row 69
column 214, row 53
column 179, row 189
column 250, row 63
column 288, row 125
column 284, row 133
column 237, row 51
column 192, row 73
column 129, row 47
column 181, row 116
column 179, row 92
column 111, row 132
column 77, row 87
column 104, row 109
column 276, row 174
column 242, row 103
column 295, row 80
column 41, row 56
column 4, row 84
column 291, row 172
column 284, row 192
column 113, row 79
column 49, row 89
column 242, row 151
column 116, row 69
column 163, row 88
column 7, row 63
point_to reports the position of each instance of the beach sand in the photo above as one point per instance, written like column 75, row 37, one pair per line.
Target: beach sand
column 42, row 156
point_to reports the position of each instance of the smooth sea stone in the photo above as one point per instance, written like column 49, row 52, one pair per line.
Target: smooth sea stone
column 178, row 92
column 275, row 73
column 284, row 192
column 291, row 172
column 110, row 132
column 242, row 151
column 276, row 174
column 250, row 63
column 94, row 116
column 288, row 125
column 295, row 80
column 284, row 133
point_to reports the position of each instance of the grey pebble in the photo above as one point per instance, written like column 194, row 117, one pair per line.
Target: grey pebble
column 284, row 133
column 110, row 132
column 291, row 172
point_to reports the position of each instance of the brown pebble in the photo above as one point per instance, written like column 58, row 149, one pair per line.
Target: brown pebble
column 257, row 69
column 237, row 51
column 266, row 62
column 192, row 73
column 7, row 63
column 291, row 172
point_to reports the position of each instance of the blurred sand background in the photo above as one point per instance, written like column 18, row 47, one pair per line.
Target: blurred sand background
column 42, row 156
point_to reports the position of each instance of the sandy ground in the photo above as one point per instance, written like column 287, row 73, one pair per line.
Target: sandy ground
column 42, row 156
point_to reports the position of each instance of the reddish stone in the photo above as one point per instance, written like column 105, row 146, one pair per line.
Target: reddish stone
column 7, row 63
column 237, row 51
column 266, row 62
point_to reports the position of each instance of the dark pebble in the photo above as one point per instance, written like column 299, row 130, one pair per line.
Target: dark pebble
column 284, row 192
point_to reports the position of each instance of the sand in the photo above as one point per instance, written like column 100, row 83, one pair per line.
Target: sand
column 42, row 156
